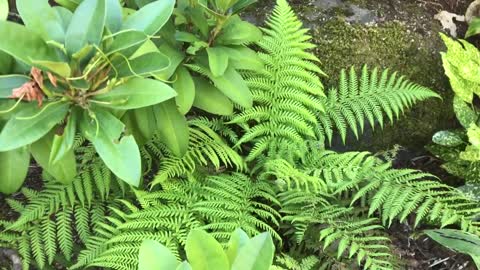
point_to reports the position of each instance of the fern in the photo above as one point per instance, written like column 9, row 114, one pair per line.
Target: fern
column 205, row 148
column 287, row 94
column 216, row 203
column 368, row 98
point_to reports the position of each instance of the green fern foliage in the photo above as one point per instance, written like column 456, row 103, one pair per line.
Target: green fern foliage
column 366, row 99
column 216, row 204
column 206, row 148
column 287, row 94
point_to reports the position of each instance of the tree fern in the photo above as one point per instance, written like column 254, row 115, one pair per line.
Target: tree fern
column 367, row 99
column 287, row 94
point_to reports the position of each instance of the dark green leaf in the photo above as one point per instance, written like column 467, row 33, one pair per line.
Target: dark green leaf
column 64, row 170
column 218, row 60
column 257, row 254
column 10, row 82
column 63, row 144
column 13, row 169
column 136, row 93
column 185, row 88
column 172, row 127
column 42, row 19
column 150, row 18
column 242, row 4
column 155, row 256
column 204, row 252
column 33, row 47
column 210, row 99
column 31, row 124
column 141, row 123
column 86, row 26
column 120, row 154
column 457, row 240
column 6, row 63
column 447, row 138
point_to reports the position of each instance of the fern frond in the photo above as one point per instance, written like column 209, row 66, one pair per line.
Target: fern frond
column 367, row 99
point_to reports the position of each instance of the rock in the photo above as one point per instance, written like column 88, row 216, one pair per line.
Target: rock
column 446, row 19
column 473, row 11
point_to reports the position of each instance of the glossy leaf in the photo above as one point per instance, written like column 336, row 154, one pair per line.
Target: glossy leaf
column 244, row 58
column 146, row 64
column 239, row 32
column 60, row 68
column 210, row 99
column 204, row 252
column 120, row 154
column 114, row 15
column 218, row 60
column 31, row 124
column 86, row 26
column 136, row 93
column 64, row 170
column 465, row 114
column 447, row 138
column 39, row 17
column 172, row 127
column 4, row 8
column 176, row 59
column 65, row 16
column 33, row 47
column 238, row 239
column 10, row 82
column 234, row 87
column 127, row 42
column 141, row 123
column 257, row 254
column 13, row 169
column 155, row 256
column 6, row 63
column 150, row 18
column 185, row 88
column 457, row 240
column 242, row 4
column 63, row 144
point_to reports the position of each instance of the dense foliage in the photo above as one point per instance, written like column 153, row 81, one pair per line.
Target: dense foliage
column 169, row 125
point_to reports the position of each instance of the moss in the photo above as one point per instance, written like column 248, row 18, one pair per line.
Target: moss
column 390, row 45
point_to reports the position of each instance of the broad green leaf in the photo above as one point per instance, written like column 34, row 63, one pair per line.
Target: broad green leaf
column 184, row 266
column 120, row 154
column 86, row 26
column 33, row 47
column 476, row 260
column 114, row 15
column 69, row 4
column 238, row 239
column 127, row 42
column 457, row 240
column 6, row 63
column 39, row 17
column 145, row 64
column 176, row 59
column 142, row 3
column 31, row 124
column 257, row 254
column 447, row 138
column 218, row 60
column 65, row 16
column 4, row 10
column 150, row 18
column 64, row 170
column 185, row 87
column 136, row 93
column 155, row 256
column 234, row 87
column 13, row 169
column 60, row 68
column 204, row 252
column 10, row 82
column 141, row 123
column 242, row 4
column 224, row 5
column 465, row 114
column 471, row 190
column 210, row 99
column 63, row 144
column 472, row 152
column 172, row 127
column 238, row 32
column 199, row 20
column 473, row 28
column 244, row 58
